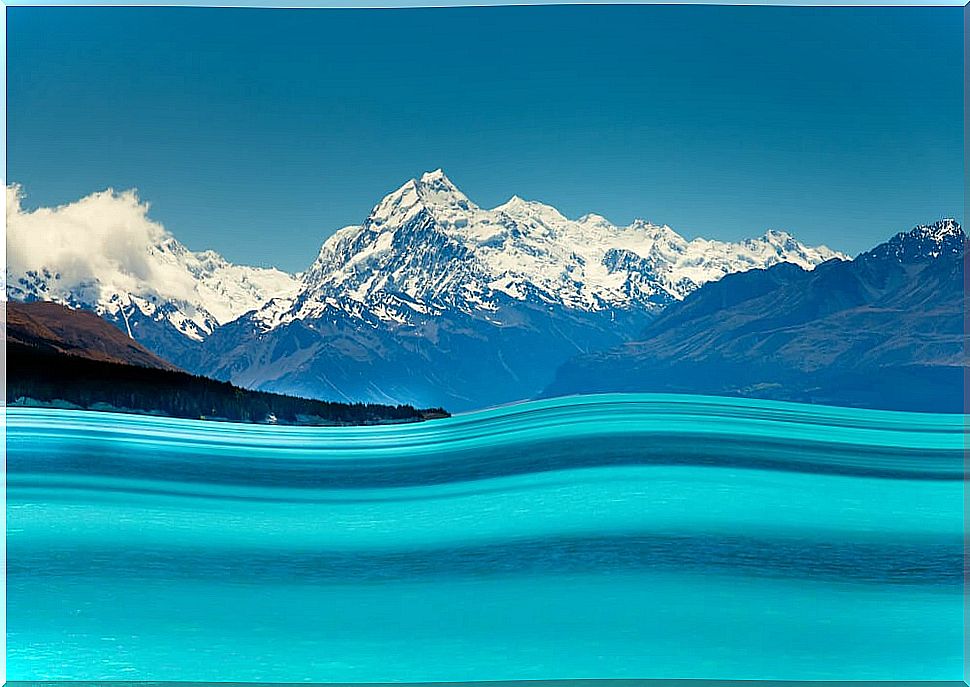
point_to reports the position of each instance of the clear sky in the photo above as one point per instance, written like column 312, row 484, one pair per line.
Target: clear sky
column 259, row 132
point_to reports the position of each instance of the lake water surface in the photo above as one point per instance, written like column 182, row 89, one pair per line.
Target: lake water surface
column 617, row 536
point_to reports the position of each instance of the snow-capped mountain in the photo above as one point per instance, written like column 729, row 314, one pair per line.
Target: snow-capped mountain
column 103, row 253
column 925, row 241
column 885, row 330
column 435, row 300
column 432, row 300
column 426, row 248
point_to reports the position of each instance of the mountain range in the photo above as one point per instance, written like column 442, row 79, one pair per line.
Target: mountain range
column 431, row 300
column 885, row 330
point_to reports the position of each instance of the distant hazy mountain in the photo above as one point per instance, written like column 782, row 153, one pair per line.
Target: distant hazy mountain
column 885, row 330
column 435, row 300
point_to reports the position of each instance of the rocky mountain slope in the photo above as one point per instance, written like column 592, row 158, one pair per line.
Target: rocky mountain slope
column 885, row 330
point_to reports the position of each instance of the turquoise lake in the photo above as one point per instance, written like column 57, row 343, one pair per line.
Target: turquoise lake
column 612, row 536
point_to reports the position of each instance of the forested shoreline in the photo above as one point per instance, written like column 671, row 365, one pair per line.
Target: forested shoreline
column 39, row 377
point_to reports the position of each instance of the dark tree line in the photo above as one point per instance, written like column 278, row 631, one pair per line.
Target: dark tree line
column 46, row 376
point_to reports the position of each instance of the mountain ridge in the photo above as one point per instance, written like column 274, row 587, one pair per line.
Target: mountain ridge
column 49, row 326
column 432, row 300
column 884, row 330
column 426, row 247
column 196, row 292
column 438, row 301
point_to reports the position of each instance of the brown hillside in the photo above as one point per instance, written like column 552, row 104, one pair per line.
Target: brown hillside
column 57, row 328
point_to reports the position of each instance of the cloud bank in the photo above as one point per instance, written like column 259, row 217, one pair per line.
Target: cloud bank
column 103, row 243
column 104, row 252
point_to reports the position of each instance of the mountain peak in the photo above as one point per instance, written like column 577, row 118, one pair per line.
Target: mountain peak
column 435, row 188
column 940, row 232
column 434, row 193
column 512, row 203
column 437, row 182
column 923, row 242
column 640, row 223
column 778, row 234
column 779, row 238
column 656, row 231
column 595, row 220
column 519, row 208
column 436, row 176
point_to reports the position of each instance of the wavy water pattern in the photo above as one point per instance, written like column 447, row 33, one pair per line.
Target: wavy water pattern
column 602, row 536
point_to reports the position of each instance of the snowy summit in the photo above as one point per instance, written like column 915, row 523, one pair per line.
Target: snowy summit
column 426, row 247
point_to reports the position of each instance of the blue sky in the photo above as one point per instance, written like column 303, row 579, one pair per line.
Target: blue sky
column 259, row 132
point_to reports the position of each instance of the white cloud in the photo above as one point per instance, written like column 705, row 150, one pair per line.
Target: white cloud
column 105, row 239
column 104, row 251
